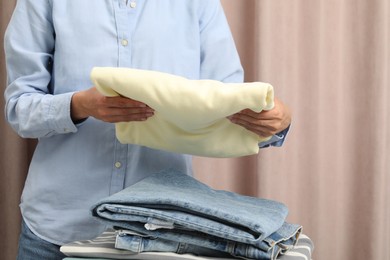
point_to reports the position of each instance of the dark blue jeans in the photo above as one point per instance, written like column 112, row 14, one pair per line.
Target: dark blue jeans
column 32, row 247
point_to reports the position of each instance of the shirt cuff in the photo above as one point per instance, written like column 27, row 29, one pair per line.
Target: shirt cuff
column 276, row 140
column 59, row 114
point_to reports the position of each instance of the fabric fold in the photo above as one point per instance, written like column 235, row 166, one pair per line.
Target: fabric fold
column 190, row 115
column 188, row 211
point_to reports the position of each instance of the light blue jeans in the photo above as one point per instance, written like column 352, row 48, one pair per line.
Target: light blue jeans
column 173, row 206
column 142, row 243
column 198, row 245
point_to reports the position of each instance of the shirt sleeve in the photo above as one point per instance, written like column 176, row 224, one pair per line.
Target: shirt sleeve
column 31, row 108
column 219, row 56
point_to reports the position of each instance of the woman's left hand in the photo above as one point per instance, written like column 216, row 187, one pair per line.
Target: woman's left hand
column 265, row 123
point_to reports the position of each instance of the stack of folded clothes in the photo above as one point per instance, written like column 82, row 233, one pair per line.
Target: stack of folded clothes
column 170, row 215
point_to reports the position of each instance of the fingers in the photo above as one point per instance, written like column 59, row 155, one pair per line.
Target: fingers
column 127, row 114
column 120, row 109
column 122, row 102
column 108, row 109
column 265, row 123
column 262, row 128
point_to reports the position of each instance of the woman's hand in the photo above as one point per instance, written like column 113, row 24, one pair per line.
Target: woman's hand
column 108, row 109
column 265, row 123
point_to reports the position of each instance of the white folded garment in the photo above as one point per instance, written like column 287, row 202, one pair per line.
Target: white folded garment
column 190, row 115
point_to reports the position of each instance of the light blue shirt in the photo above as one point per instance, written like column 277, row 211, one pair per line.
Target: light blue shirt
column 51, row 47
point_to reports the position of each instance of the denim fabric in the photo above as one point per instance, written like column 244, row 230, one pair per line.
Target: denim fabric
column 203, row 246
column 32, row 247
column 176, row 207
column 139, row 243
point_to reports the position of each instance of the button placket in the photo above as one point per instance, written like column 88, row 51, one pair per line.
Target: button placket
column 118, row 165
column 125, row 16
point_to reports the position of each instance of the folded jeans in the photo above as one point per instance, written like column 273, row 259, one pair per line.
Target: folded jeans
column 200, row 245
column 180, row 208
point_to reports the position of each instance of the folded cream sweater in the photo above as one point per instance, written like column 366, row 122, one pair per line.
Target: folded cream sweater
column 190, row 115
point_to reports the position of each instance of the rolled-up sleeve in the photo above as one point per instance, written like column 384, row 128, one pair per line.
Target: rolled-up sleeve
column 276, row 140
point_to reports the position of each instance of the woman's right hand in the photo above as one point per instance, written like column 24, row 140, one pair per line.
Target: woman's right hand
column 90, row 102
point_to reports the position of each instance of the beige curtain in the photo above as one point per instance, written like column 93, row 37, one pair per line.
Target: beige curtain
column 329, row 61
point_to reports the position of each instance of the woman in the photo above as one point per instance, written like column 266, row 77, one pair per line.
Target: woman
column 51, row 47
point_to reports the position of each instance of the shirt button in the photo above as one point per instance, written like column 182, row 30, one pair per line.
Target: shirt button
column 124, row 42
column 118, row 165
column 133, row 4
